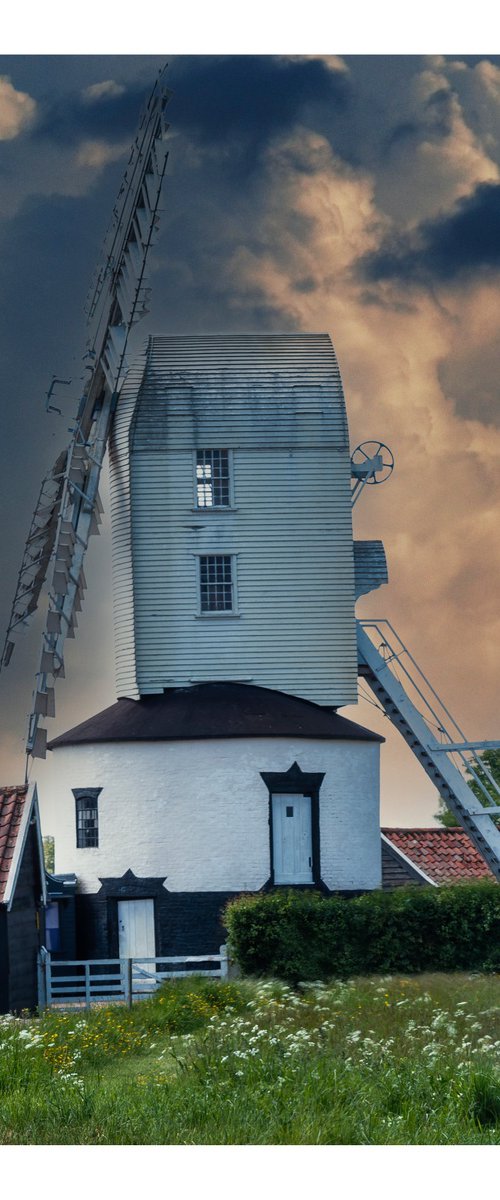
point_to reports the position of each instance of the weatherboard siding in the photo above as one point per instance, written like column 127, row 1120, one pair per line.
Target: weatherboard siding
column 123, row 584
column 294, row 575
column 276, row 402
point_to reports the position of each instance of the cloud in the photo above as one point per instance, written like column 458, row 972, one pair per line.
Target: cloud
column 95, row 92
column 454, row 245
column 72, row 142
column 17, row 110
column 433, row 155
column 478, row 87
column 332, row 61
column 97, row 154
column 437, row 515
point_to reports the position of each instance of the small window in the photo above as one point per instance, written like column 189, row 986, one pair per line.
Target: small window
column 216, row 583
column 212, row 479
column 87, row 820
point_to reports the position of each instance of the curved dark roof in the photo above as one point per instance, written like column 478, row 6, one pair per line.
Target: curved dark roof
column 214, row 710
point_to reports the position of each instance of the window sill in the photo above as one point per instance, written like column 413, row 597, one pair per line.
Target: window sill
column 218, row 615
column 214, row 508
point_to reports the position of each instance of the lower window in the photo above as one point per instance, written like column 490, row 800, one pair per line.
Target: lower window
column 217, row 583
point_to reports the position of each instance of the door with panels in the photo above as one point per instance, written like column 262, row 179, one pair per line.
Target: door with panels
column 136, row 939
column 292, row 838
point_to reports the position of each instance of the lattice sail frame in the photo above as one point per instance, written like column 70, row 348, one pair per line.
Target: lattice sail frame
column 69, row 498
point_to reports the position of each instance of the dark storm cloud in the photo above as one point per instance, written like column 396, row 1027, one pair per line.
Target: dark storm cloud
column 243, row 98
column 72, row 117
column 463, row 242
column 252, row 96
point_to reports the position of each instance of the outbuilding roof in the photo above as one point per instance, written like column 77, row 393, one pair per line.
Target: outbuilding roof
column 214, row 710
column 444, row 855
column 12, row 801
column 18, row 804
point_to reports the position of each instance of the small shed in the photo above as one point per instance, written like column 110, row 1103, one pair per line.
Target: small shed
column 22, row 897
column 434, row 856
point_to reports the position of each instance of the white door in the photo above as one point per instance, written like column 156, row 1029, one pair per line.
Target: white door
column 136, row 938
column 292, row 839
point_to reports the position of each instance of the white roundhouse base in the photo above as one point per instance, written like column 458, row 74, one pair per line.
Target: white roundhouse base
column 196, row 813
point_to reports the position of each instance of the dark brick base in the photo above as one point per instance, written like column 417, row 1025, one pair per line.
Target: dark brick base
column 186, row 922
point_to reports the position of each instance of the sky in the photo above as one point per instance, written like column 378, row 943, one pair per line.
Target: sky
column 355, row 194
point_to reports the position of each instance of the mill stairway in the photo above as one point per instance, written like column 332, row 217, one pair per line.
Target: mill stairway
column 382, row 659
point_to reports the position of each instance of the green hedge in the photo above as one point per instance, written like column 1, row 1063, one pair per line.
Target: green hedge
column 303, row 935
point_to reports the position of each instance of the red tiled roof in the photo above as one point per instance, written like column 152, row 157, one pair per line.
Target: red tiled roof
column 12, row 801
column 447, row 855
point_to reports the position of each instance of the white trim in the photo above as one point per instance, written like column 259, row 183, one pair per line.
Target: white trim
column 407, row 860
column 43, row 873
column 218, row 508
column 204, row 614
column 30, row 809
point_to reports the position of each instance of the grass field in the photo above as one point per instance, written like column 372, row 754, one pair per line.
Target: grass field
column 379, row 1061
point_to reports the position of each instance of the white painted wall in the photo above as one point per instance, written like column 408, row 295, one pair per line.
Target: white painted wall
column 197, row 812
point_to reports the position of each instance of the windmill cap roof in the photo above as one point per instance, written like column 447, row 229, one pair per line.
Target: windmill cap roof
column 214, row 710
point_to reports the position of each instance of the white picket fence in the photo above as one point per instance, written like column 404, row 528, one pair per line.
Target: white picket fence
column 86, row 982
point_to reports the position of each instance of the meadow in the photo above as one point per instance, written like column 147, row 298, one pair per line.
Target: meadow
column 376, row 1061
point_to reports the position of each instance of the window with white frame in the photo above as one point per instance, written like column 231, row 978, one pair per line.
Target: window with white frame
column 213, row 483
column 217, row 583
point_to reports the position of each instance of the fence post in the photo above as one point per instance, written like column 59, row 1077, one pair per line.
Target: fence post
column 224, row 962
column 87, row 985
column 40, row 974
column 129, row 981
column 47, row 967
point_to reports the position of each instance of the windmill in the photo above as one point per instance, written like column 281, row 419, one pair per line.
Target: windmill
column 68, row 509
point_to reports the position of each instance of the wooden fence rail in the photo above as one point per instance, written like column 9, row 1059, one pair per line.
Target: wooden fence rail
column 81, row 983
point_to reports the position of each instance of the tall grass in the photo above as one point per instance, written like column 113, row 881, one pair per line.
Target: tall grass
column 371, row 1061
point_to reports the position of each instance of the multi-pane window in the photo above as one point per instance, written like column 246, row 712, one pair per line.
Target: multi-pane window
column 216, row 583
column 212, row 479
column 87, row 821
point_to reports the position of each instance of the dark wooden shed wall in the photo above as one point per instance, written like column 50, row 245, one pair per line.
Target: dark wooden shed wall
column 4, row 961
column 23, row 933
column 395, row 872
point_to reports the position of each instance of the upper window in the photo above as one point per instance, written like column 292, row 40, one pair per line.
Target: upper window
column 217, row 583
column 87, row 819
column 213, row 479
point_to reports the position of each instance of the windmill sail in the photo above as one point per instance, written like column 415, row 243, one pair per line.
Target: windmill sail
column 69, row 497
column 37, row 554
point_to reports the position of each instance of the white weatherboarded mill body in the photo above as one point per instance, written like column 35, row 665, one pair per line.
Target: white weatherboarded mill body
column 275, row 403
